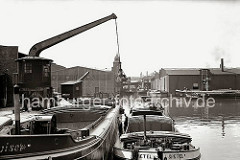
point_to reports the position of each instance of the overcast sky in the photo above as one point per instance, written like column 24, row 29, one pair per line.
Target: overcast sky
column 152, row 34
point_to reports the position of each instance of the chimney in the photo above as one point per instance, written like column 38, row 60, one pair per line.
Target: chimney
column 222, row 65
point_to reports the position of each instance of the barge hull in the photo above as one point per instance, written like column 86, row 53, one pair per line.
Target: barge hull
column 96, row 146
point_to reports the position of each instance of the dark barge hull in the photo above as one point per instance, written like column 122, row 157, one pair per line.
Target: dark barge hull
column 62, row 146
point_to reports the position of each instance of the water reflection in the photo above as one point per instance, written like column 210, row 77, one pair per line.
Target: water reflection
column 222, row 107
column 223, row 127
column 216, row 130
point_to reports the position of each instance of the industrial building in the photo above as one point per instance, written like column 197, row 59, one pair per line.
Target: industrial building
column 137, row 84
column 171, row 79
column 96, row 81
column 8, row 67
column 76, row 83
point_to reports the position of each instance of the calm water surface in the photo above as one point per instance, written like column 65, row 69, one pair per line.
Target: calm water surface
column 215, row 130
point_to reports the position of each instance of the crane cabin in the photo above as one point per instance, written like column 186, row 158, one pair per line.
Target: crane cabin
column 34, row 77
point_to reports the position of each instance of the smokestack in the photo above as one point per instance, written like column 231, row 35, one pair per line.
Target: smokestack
column 222, row 65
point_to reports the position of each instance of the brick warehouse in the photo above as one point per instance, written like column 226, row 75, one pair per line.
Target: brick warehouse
column 8, row 66
column 170, row 79
column 97, row 81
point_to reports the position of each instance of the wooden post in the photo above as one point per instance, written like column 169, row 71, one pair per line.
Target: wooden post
column 16, row 109
column 145, row 128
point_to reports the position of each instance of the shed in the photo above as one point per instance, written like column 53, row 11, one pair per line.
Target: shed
column 73, row 88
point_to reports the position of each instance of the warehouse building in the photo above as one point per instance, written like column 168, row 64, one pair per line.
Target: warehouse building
column 8, row 67
column 172, row 79
column 86, row 82
column 95, row 82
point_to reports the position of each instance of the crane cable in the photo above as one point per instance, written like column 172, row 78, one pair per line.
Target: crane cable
column 117, row 36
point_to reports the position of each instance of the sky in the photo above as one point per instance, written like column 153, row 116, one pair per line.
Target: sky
column 152, row 34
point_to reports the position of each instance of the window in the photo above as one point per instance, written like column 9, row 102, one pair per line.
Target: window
column 96, row 89
column 195, row 86
column 164, row 84
column 46, row 71
column 28, row 67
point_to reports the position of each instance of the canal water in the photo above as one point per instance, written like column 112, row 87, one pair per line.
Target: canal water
column 215, row 129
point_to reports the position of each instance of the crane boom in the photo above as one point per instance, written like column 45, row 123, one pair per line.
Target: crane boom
column 39, row 47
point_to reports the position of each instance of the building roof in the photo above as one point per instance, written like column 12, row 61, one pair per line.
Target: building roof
column 20, row 55
column 56, row 67
column 33, row 58
column 196, row 71
column 226, row 71
column 92, row 69
column 181, row 71
column 77, row 81
column 71, row 82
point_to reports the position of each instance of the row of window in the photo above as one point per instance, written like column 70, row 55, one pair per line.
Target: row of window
column 46, row 69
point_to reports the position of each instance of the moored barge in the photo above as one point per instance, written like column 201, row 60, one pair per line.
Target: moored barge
column 150, row 135
column 62, row 133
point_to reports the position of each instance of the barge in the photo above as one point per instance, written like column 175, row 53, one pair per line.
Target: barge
column 62, row 133
column 150, row 135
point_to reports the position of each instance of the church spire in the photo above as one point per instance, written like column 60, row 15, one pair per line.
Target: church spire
column 117, row 58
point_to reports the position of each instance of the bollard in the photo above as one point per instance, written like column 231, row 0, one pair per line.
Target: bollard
column 16, row 109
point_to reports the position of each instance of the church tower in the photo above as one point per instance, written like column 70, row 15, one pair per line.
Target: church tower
column 116, row 64
column 117, row 72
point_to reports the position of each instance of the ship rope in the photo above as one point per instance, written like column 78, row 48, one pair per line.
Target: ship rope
column 117, row 36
